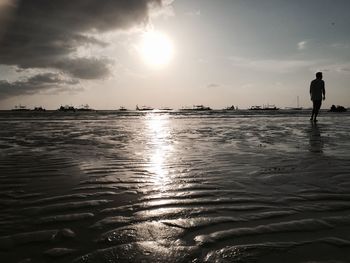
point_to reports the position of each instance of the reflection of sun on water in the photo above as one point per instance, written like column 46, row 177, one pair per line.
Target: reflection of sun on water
column 157, row 162
column 160, row 151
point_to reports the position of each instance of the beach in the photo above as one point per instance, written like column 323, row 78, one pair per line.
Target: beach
column 216, row 186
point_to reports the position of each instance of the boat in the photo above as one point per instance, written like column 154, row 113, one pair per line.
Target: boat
column 121, row 108
column 264, row 107
column 337, row 108
column 197, row 108
column 144, row 108
column 20, row 108
column 201, row 108
column 39, row 109
column 66, row 108
column 231, row 108
column 166, row 109
column 255, row 108
column 269, row 107
column 85, row 107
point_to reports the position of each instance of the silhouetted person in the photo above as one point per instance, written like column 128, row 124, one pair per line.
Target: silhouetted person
column 317, row 89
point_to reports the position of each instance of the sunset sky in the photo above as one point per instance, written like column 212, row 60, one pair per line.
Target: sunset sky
column 112, row 53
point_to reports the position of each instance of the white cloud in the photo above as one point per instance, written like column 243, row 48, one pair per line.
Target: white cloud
column 343, row 68
column 281, row 66
column 302, row 45
column 166, row 10
column 193, row 13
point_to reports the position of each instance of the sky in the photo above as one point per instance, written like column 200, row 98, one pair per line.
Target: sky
column 223, row 52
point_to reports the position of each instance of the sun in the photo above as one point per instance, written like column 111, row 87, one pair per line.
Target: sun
column 156, row 49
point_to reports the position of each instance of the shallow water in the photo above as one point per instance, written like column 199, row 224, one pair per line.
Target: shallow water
column 174, row 187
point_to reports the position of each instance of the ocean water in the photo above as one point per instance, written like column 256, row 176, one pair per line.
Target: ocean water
column 234, row 186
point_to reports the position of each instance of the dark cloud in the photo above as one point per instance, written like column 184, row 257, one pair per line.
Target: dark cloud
column 45, row 33
column 34, row 84
column 85, row 68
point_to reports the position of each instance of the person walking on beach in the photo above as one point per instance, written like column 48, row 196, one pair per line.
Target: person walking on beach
column 317, row 89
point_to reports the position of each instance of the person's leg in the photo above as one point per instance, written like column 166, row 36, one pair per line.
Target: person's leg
column 317, row 104
column 313, row 110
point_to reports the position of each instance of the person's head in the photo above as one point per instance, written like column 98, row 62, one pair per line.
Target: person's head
column 319, row 75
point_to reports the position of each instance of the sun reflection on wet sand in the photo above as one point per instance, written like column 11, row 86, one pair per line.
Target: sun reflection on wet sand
column 160, row 148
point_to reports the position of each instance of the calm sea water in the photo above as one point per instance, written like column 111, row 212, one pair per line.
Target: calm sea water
column 174, row 187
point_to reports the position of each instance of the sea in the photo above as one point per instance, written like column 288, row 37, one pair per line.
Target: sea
column 174, row 186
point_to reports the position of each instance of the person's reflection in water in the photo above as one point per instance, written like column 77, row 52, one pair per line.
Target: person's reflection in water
column 316, row 143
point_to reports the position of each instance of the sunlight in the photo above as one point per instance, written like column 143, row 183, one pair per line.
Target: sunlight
column 157, row 162
column 161, row 149
column 156, row 49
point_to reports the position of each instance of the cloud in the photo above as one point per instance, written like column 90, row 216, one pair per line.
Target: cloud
column 166, row 11
column 213, row 85
column 302, row 45
column 35, row 84
column 193, row 13
column 341, row 68
column 47, row 35
column 270, row 65
column 340, row 45
column 85, row 68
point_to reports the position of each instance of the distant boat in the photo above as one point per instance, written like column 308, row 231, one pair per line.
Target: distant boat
column 166, row 109
column 122, row 108
column 265, row 107
column 255, row 108
column 197, row 108
column 144, row 108
column 39, row 109
column 20, row 108
column 85, row 107
column 231, row 108
column 337, row 109
column 66, row 108
column 270, row 107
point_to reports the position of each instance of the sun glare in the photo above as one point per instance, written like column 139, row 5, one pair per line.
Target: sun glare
column 156, row 49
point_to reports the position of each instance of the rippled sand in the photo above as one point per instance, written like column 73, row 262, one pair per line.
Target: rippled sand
column 174, row 187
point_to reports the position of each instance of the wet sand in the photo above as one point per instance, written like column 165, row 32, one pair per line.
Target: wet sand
column 174, row 187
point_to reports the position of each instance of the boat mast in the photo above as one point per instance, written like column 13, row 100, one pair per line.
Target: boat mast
column 297, row 101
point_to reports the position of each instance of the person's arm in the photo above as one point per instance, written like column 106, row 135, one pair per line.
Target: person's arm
column 310, row 89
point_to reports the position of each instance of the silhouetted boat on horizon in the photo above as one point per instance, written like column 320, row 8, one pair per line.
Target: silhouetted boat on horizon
column 66, row 108
column 121, row 108
column 255, row 107
column 20, row 108
column 165, row 109
column 231, row 108
column 264, row 107
column 144, row 108
column 197, row 108
column 85, row 107
column 39, row 109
